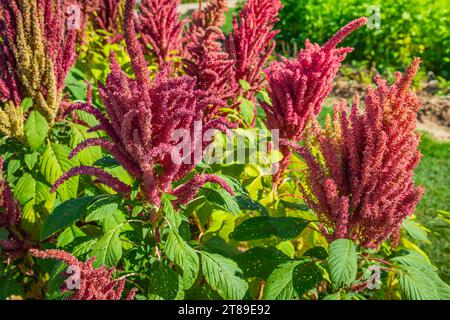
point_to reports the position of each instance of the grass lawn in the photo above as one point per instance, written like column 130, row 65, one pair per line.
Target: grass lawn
column 433, row 174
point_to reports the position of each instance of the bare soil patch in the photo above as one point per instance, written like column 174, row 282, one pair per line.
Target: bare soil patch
column 433, row 117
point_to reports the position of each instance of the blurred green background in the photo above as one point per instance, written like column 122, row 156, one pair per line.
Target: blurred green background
column 407, row 28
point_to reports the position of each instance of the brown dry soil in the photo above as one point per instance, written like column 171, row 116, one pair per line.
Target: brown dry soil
column 433, row 117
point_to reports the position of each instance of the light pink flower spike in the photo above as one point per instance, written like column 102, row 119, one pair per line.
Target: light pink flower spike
column 94, row 283
column 143, row 115
column 366, row 188
column 298, row 88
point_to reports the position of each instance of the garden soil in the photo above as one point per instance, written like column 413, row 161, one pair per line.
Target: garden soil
column 433, row 117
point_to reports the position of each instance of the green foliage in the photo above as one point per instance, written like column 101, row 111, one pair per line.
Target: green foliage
column 431, row 173
column 260, row 262
column 280, row 283
column 306, row 276
column 407, row 29
column 102, row 207
column 166, row 285
column 291, row 280
column 343, row 262
column 415, row 230
column 265, row 227
column 36, row 128
column 221, row 199
column 54, row 162
column 184, row 256
column 316, row 252
column 223, row 275
column 65, row 215
column 93, row 61
column 419, row 280
column 78, row 134
column 108, row 249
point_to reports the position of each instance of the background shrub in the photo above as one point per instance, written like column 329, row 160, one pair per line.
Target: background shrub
column 408, row 28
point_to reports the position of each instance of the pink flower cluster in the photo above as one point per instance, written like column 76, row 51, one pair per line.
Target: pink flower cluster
column 94, row 284
column 251, row 42
column 10, row 208
column 106, row 16
column 298, row 88
column 212, row 15
column 160, row 27
column 361, row 185
column 10, row 215
column 89, row 6
column 9, row 81
column 143, row 115
column 210, row 66
column 243, row 56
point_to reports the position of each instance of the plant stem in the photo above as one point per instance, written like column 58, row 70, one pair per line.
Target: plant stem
column 380, row 261
column 199, row 225
column 261, row 290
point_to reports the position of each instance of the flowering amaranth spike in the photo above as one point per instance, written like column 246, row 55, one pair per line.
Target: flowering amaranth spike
column 10, row 215
column 298, row 88
column 89, row 6
column 250, row 43
column 361, row 183
column 212, row 15
column 143, row 118
column 107, row 16
column 160, row 28
column 210, row 65
column 85, row 281
column 37, row 49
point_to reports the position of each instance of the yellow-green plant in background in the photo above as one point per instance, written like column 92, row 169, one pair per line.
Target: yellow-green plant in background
column 37, row 49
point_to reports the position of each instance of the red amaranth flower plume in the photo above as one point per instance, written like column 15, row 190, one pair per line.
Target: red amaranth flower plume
column 210, row 65
column 107, row 16
column 9, row 82
column 10, row 215
column 94, row 284
column 251, row 41
column 89, row 6
column 212, row 15
column 10, row 210
column 160, row 28
column 361, row 185
column 298, row 88
column 144, row 117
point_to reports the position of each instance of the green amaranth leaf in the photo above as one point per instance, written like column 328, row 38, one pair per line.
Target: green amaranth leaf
column 65, row 215
column 265, row 227
column 166, row 284
column 343, row 262
column 260, row 262
column 306, row 276
column 222, row 199
column 36, row 129
column 108, row 249
column 414, row 230
column 102, row 207
column 316, row 252
column 419, row 279
column 279, row 285
column 78, row 134
column 223, row 275
column 178, row 251
column 54, row 163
